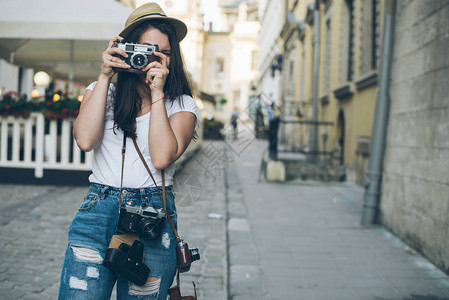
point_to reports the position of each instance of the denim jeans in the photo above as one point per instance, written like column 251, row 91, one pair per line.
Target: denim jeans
column 83, row 274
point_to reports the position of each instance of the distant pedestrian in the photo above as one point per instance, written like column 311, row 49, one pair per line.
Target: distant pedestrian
column 115, row 113
column 234, row 118
column 270, row 109
column 273, row 134
column 259, row 122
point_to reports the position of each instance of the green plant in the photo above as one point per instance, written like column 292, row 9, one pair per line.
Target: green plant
column 12, row 104
column 212, row 129
column 63, row 108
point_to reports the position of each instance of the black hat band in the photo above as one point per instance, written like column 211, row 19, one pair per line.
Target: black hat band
column 152, row 14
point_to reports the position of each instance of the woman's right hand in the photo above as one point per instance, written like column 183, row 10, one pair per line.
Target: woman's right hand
column 110, row 61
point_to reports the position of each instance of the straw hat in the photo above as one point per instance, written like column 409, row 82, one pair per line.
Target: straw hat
column 152, row 11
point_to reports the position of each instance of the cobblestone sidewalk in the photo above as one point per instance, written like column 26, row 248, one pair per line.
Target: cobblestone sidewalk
column 34, row 220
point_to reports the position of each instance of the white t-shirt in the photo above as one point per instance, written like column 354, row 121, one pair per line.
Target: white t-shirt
column 107, row 159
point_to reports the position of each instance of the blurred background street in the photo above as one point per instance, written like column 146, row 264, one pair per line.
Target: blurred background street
column 320, row 170
column 257, row 240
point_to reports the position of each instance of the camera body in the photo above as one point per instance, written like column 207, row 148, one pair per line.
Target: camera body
column 142, row 220
column 127, row 261
column 139, row 56
column 186, row 256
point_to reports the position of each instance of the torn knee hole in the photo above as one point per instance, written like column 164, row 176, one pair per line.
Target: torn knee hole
column 150, row 287
column 92, row 272
column 78, row 284
column 86, row 254
column 166, row 240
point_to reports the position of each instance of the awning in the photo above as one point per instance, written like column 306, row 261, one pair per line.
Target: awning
column 59, row 36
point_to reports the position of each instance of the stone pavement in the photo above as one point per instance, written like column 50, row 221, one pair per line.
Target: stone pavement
column 303, row 241
column 257, row 240
column 34, row 220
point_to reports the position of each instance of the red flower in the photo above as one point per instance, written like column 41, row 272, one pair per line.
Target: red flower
column 7, row 107
column 65, row 110
column 76, row 112
column 49, row 103
column 12, row 94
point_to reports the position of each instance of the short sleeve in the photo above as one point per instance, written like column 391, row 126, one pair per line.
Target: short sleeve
column 91, row 86
column 185, row 103
column 109, row 114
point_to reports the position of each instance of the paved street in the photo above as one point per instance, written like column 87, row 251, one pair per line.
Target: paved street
column 304, row 241
column 256, row 240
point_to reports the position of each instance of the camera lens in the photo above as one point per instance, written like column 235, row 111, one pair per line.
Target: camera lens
column 194, row 254
column 139, row 60
column 148, row 228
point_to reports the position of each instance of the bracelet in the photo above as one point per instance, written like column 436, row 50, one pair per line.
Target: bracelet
column 163, row 98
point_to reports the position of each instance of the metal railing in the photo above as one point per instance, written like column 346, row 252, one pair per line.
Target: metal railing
column 294, row 136
column 37, row 143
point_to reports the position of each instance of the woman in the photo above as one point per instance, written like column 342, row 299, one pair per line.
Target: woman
column 156, row 108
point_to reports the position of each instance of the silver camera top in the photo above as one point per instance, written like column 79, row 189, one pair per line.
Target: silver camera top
column 144, row 211
column 144, row 49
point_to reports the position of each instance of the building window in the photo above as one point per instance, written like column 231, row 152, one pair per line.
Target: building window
column 346, row 42
column 254, row 60
column 290, row 78
column 375, row 34
column 303, row 71
column 351, row 39
column 291, row 69
column 219, row 67
column 369, row 36
column 327, row 58
column 236, row 96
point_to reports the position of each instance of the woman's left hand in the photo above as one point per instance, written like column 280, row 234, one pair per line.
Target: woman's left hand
column 157, row 73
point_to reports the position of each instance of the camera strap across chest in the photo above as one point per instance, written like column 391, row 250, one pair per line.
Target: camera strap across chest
column 123, row 168
column 163, row 197
column 164, row 202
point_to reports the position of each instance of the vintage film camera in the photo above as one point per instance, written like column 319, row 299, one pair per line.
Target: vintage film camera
column 186, row 256
column 144, row 220
column 139, row 56
column 127, row 260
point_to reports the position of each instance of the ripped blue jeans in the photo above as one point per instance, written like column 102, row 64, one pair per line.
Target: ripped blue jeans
column 83, row 274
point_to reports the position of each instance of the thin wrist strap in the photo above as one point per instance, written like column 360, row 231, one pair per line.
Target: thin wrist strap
column 163, row 188
column 163, row 98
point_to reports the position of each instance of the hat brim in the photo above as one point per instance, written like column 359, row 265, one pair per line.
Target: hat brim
column 180, row 27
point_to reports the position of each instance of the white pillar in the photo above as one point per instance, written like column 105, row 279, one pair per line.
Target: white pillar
column 26, row 80
column 9, row 77
column 71, row 68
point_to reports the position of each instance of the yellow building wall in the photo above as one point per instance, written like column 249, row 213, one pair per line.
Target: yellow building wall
column 359, row 108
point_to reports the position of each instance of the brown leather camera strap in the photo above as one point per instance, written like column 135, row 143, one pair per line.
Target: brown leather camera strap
column 164, row 202
column 178, row 286
column 123, row 167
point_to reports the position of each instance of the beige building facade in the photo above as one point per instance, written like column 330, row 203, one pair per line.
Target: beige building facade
column 345, row 74
column 230, row 61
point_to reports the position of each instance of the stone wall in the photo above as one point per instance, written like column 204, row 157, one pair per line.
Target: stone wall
column 415, row 187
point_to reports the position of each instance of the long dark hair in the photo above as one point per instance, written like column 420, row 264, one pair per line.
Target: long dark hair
column 130, row 89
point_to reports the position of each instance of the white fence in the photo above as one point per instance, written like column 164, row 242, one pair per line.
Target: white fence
column 36, row 143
